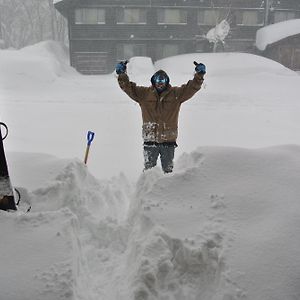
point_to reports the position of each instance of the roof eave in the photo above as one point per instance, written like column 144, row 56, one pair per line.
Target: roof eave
column 63, row 6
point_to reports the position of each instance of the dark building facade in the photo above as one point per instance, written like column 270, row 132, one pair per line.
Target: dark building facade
column 102, row 32
column 285, row 51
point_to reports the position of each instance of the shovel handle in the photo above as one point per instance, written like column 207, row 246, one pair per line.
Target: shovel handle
column 86, row 154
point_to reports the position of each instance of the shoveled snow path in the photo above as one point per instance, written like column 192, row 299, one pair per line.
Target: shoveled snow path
column 100, row 208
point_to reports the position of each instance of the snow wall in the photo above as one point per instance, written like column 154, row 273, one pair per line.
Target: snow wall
column 224, row 226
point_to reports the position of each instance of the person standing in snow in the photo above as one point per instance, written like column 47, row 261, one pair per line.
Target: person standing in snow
column 160, row 104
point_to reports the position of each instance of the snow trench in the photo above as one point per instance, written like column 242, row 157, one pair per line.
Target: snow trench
column 167, row 237
column 112, row 248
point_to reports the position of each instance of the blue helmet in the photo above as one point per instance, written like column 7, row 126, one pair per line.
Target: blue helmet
column 160, row 77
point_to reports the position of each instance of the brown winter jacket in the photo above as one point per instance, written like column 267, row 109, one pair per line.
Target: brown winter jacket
column 160, row 111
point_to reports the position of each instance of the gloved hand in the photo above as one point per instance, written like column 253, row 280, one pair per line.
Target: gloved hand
column 200, row 68
column 121, row 67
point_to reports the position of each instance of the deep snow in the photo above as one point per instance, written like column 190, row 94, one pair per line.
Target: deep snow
column 246, row 101
column 275, row 32
column 223, row 226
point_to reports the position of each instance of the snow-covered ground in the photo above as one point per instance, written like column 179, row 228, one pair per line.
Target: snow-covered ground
column 223, row 226
column 246, row 101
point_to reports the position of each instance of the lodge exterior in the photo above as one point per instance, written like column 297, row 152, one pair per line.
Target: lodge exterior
column 102, row 32
column 285, row 51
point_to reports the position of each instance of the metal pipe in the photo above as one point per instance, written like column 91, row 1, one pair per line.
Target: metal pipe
column 267, row 11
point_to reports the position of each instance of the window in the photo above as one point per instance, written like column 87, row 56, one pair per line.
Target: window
column 90, row 16
column 250, row 18
column 170, row 50
column 126, row 51
column 167, row 50
column 131, row 16
column 211, row 17
column 280, row 16
column 172, row 16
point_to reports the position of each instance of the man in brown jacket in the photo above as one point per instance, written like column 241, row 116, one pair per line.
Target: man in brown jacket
column 160, row 104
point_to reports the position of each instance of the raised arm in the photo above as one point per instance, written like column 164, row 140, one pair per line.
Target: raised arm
column 135, row 92
column 130, row 88
column 187, row 91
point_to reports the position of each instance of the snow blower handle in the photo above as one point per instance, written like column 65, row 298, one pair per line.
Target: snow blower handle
column 6, row 134
column 90, row 138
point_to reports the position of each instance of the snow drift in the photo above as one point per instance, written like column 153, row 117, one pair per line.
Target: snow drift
column 42, row 69
column 223, row 226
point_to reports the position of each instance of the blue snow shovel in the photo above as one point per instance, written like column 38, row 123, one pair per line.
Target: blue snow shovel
column 90, row 137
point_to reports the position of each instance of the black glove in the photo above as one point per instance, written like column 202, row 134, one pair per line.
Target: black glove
column 121, row 67
column 200, row 68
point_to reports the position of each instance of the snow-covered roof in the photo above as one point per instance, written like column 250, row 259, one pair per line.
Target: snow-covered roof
column 56, row 1
column 273, row 33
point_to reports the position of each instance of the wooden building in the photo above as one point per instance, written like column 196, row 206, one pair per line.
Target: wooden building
column 281, row 42
column 102, row 32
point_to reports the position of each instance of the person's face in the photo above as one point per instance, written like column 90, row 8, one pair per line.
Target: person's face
column 160, row 84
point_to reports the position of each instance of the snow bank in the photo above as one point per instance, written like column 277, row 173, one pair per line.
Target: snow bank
column 140, row 66
column 40, row 64
column 275, row 32
column 33, row 170
column 224, row 225
column 222, row 64
column 73, row 215
column 140, row 70
column 78, row 190
column 40, row 256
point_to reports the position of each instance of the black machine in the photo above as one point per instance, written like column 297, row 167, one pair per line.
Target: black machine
column 7, row 200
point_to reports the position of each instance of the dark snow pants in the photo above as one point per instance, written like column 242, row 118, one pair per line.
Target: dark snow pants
column 166, row 151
